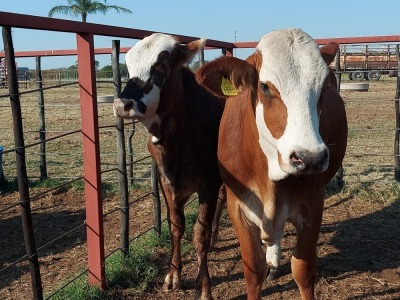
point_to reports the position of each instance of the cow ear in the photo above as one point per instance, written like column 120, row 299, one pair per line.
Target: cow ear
column 226, row 76
column 329, row 52
column 188, row 51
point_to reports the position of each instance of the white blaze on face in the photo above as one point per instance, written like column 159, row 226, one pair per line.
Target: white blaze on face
column 292, row 62
column 139, row 60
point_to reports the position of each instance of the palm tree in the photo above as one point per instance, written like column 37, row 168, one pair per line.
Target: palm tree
column 85, row 8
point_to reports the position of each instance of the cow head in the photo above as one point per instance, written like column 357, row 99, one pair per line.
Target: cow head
column 286, row 75
column 150, row 63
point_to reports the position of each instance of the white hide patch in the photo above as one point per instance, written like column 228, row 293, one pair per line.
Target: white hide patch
column 151, row 100
column 273, row 255
column 264, row 215
column 139, row 60
column 144, row 54
column 292, row 62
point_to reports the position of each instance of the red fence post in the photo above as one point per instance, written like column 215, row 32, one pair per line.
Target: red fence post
column 91, row 159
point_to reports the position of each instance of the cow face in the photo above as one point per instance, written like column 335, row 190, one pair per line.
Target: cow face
column 291, row 73
column 151, row 63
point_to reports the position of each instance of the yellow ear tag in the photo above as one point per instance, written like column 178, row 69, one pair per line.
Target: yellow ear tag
column 228, row 89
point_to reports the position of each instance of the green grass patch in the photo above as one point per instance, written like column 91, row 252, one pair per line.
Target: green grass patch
column 80, row 290
column 146, row 264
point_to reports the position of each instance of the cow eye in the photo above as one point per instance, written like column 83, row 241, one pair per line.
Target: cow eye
column 163, row 66
column 264, row 88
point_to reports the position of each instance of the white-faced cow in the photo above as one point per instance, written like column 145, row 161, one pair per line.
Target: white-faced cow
column 281, row 140
column 183, row 120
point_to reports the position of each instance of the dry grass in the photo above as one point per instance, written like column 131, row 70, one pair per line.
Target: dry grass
column 371, row 118
column 62, row 115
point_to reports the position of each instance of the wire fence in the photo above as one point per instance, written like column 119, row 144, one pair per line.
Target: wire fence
column 57, row 200
column 371, row 112
column 64, row 185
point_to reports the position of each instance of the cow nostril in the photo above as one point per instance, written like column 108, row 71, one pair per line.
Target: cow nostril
column 310, row 162
column 295, row 160
column 128, row 105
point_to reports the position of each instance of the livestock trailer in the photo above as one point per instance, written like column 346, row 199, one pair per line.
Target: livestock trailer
column 368, row 62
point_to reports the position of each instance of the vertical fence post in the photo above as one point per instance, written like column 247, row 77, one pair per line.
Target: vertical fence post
column 123, row 180
column 91, row 159
column 156, row 198
column 227, row 51
column 1, row 165
column 131, row 133
column 201, row 58
column 338, row 75
column 22, row 176
column 42, row 123
column 130, row 152
column 397, row 112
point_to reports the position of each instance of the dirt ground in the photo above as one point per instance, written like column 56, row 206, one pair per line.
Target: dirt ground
column 358, row 258
column 59, row 217
column 358, row 252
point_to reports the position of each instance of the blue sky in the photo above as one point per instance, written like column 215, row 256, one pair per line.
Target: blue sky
column 215, row 19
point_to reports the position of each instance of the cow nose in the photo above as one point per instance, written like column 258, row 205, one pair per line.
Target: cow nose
column 121, row 107
column 297, row 160
column 309, row 162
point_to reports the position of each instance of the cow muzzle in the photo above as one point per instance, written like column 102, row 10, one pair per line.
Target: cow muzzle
column 310, row 162
column 123, row 108
column 306, row 162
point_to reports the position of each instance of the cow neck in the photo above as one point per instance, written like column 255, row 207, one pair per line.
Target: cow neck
column 239, row 125
column 171, row 109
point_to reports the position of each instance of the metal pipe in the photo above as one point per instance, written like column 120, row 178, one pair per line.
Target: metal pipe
column 123, row 180
column 22, row 177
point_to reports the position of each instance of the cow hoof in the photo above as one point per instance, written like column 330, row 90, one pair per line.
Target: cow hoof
column 171, row 282
column 272, row 274
column 202, row 296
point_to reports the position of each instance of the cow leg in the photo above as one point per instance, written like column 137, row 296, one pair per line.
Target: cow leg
column 273, row 258
column 274, row 252
column 304, row 259
column 221, row 204
column 176, row 222
column 202, row 238
column 253, row 259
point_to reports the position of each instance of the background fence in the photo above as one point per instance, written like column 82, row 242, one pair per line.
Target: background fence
column 58, row 221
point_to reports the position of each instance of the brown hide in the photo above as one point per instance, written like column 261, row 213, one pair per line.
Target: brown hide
column 187, row 161
column 183, row 121
column 244, row 169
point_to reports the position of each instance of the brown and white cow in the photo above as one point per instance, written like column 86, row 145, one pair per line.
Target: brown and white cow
column 183, row 121
column 281, row 140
